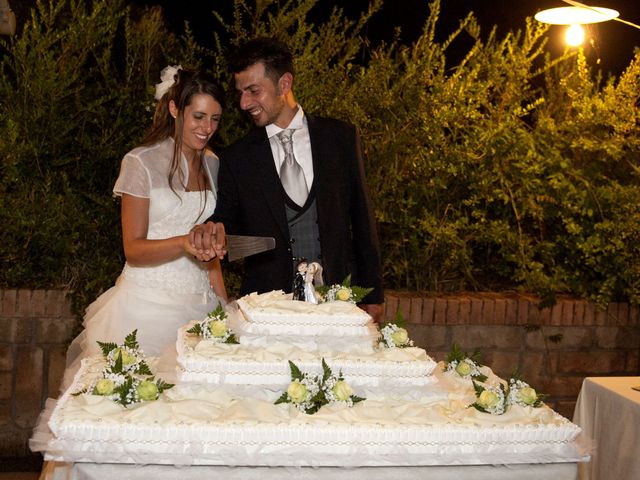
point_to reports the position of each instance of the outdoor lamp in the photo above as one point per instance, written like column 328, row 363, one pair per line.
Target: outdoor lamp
column 7, row 19
column 579, row 14
column 575, row 16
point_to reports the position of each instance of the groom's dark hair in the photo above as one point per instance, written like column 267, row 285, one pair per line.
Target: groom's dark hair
column 274, row 54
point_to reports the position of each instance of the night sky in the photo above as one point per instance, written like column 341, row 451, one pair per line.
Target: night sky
column 613, row 41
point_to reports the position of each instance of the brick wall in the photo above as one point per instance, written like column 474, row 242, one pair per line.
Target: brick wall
column 35, row 326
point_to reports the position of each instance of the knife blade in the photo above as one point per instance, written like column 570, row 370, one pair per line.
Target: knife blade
column 240, row 246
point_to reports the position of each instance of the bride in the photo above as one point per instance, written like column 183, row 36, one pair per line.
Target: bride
column 167, row 186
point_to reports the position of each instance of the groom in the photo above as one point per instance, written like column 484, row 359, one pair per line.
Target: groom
column 297, row 178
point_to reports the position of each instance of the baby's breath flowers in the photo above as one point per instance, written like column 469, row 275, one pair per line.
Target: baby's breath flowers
column 214, row 327
column 308, row 393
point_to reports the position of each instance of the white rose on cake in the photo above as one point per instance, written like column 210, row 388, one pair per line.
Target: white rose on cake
column 400, row 337
column 527, row 395
column 488, row 399
column 218, row 328
column 297, row 392
column 342, row 391
column 343, row 294
column 147, row 390
column 464, row 369
column 491, row 399
column 104, row 387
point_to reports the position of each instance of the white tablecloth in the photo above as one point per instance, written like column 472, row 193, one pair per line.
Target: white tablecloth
column 92, row 471
column 608, row 410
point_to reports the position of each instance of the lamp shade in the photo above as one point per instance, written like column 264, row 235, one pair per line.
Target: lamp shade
column 576, row 15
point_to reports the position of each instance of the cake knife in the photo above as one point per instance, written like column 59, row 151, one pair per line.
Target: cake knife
column 240, row 246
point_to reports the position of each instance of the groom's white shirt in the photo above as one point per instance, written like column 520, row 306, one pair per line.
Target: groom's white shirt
column 301, row 144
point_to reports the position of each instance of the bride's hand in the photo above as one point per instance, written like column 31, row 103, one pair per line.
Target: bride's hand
column 208, row 241
column 188, row 247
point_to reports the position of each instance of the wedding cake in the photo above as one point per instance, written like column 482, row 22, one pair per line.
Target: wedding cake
column 273, row 329
column 234, row 403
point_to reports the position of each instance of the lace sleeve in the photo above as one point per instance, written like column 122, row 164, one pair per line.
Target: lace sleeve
column 133, row 179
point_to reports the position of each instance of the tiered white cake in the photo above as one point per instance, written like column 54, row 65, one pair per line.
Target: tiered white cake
column 273, row 330
column 230, row 417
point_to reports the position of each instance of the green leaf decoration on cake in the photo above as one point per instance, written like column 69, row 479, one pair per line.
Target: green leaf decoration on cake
column 107, row 347
column 326, row 371
column 162, row 385
column 309, row 393
column 196, row 329
column 399, row 320
column 296, row 374
column 130, row 340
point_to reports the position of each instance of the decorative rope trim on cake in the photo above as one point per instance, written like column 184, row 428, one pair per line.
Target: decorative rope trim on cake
column 319, row 321
column 249, row 368
column 329, row 443
column 372, row 435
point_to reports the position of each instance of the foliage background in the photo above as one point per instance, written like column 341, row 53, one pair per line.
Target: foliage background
column 508, row 169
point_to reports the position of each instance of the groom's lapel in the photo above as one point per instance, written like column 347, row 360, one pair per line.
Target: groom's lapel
column 323, row 152
column 268, row 179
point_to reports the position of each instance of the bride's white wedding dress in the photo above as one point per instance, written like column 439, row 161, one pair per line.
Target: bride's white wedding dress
column 156, row 300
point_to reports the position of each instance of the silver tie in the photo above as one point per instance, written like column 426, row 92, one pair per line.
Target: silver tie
column 291, row 174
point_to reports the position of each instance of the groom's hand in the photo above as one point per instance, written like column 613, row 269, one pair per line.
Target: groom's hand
column 208, row 240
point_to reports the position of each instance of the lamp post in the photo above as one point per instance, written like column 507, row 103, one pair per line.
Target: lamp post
column 7, row 19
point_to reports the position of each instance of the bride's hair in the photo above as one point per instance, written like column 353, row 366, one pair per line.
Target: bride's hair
column 187, row 84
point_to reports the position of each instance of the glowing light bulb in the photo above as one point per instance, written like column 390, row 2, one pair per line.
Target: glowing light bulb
column 574, row 36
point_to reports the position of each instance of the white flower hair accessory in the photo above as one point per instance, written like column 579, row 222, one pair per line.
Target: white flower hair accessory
column 168, row 77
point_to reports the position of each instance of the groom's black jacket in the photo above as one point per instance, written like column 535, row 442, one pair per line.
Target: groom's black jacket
column 251, row 202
